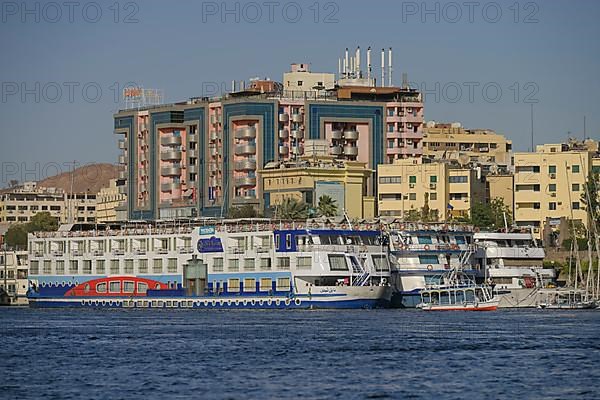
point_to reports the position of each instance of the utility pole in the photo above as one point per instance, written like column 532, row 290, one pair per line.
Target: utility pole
column 70, row 198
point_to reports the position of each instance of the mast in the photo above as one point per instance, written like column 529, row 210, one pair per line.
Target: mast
column 578, row 273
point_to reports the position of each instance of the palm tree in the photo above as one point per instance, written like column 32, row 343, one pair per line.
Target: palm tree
column 327, row 206
column 292, row 209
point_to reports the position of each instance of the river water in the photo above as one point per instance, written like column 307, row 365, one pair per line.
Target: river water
column 357, row 354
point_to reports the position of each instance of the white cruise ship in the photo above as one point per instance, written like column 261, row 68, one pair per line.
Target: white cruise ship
column 514, row 265
column 210, row 264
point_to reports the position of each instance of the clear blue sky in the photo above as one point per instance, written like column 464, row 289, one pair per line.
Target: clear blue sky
column 550, row 49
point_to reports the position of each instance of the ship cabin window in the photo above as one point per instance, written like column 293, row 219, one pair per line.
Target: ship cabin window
column 249, row 285
column 115, row 287
column 266, row 284
column 380, row 262
column 265, row 264
column 470, row 296
column 277, row 241
column 424, row 239
column 352, row 239
column 142, row 287
column 459, row 239
column 444, row 298
column 460, row 297
column 283, row 263
column 369, row 240
column 128, row 286
column 233, row 285
column 330, row 239
column 86, row 288
column 283, row 284
column 337, row 262
column 101, row 287
column 428, row 259
column 302, row 241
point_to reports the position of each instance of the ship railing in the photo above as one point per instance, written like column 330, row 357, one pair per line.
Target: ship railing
column 185, row 250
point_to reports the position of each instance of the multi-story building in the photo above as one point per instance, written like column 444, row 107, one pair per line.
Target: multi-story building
column 443, row 186
column 549, row 184
column 479, row 146
column 13, row 275
column 109, row 202
column 308, row 178
column 501, row 186
column 203, row 156
column 20, row 204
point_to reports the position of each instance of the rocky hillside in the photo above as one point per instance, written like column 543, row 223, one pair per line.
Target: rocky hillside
column 89, row 178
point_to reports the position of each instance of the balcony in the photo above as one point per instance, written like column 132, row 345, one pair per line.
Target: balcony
column 297, row 118
column 247, row 132
column 299, row 150
column 123, row 189
column 283, row 134
column 351, row 135
column 192, row 169
column 245, row 165
column 335, row 150
column 283, row 150
column 214, row 151
column 245, row 149
column 298, row 134
column 123, row 144
column 192, row 153
column 143, row 127
column 337, row 134
column 122, row 159
column 170, row 140
column 171, row 155
column 284, row 117
column 245, row 181
column 214, row 135
column 215, row 119
column 171, row 186
column 171, row 171
column 123, row 175
column 350, row 150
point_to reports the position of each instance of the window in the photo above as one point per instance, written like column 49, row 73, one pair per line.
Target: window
column 157, row 266
column 412, row 196
column 551, row 169
column 234, row 265
column 304, row 263
column 218, row 264
column 381, row 263
column 115, row 287
column 425, row 239
column 552, row 187
column 114, row 267
column 266, row 284
column 100, row 267
column 101, row 287
column 575, row 205
column 128, row 286
column 536, row 206
column 74, row 267
column 552, row 206
column 47, row 267
column 458, row 179
column 249, row 264
column 433, row 179
column 60, row 267
column 249, row 285
column 337, row 262
column 265, row 264
column 87, row 267
column 428, row 259
column 233, row 285
column 575, row 169
column 433, row 196
column 142, row 287
column 575, row 187
column 299, row 83
column 171, row 265
column 390, row 179
column 412, row 179
column 460, row 239
column 283, row 263
column 283, row 284
column 143, row 266
column 34, row 267
column 129, row 266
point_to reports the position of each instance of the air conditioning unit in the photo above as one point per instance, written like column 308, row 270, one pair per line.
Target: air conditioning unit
column 432, row 186
column 552, row 176
column 552, row 194
column 411, row 185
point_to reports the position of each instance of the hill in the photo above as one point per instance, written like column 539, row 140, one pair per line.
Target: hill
column 89, row 178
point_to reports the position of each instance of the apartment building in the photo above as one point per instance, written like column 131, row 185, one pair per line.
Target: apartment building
column 198, row 157
column 479, row 146
column 109, row 204
column 444, row 186
column 549, row 184
column 13, row 275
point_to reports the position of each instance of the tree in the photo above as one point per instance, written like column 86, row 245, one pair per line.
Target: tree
column 42, row 221
column 245, row 211
column 327, row 206
column 292, row 209
column 16, row 236
column 490, row 215
column 592, row 187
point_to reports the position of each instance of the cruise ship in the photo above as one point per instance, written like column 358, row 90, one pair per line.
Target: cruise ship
column 210, row 264
column 421, row 254
column 514, row 265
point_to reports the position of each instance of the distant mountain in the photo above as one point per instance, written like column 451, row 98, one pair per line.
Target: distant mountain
column 89, row 178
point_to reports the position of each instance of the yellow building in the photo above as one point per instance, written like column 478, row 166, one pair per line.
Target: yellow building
column 20, row 204
column 452, row 141
column 108, row 202
column 311, row 177
column 501, row 186
column 446, row 187
column 549, row 184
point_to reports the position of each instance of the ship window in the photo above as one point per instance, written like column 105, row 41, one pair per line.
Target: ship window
column 304, row 263
column 444, row 298
column 86, row 288
column 470, row 296
column 369, row 240
column 283, row 284
column 265, row 264
column 283, row 263
column 426, row 298
column 266, row 284
column 157, row 267
column 288, row 241
column 142, row 287
column 128, row 286
column 218, row 264
column 114, row 287
column 101, row 287
column 424, row 239
column 233, row 285
column 428, row 259
column 380, row 262
column 157, row 286
column 460, row 297
column 459, row 239
column 337, row 262
column 277, row 241
column 249, row 285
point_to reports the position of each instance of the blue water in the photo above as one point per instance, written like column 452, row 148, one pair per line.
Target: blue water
column 379, row 354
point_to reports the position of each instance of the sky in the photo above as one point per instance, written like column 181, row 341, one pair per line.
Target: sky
column 482, row 63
